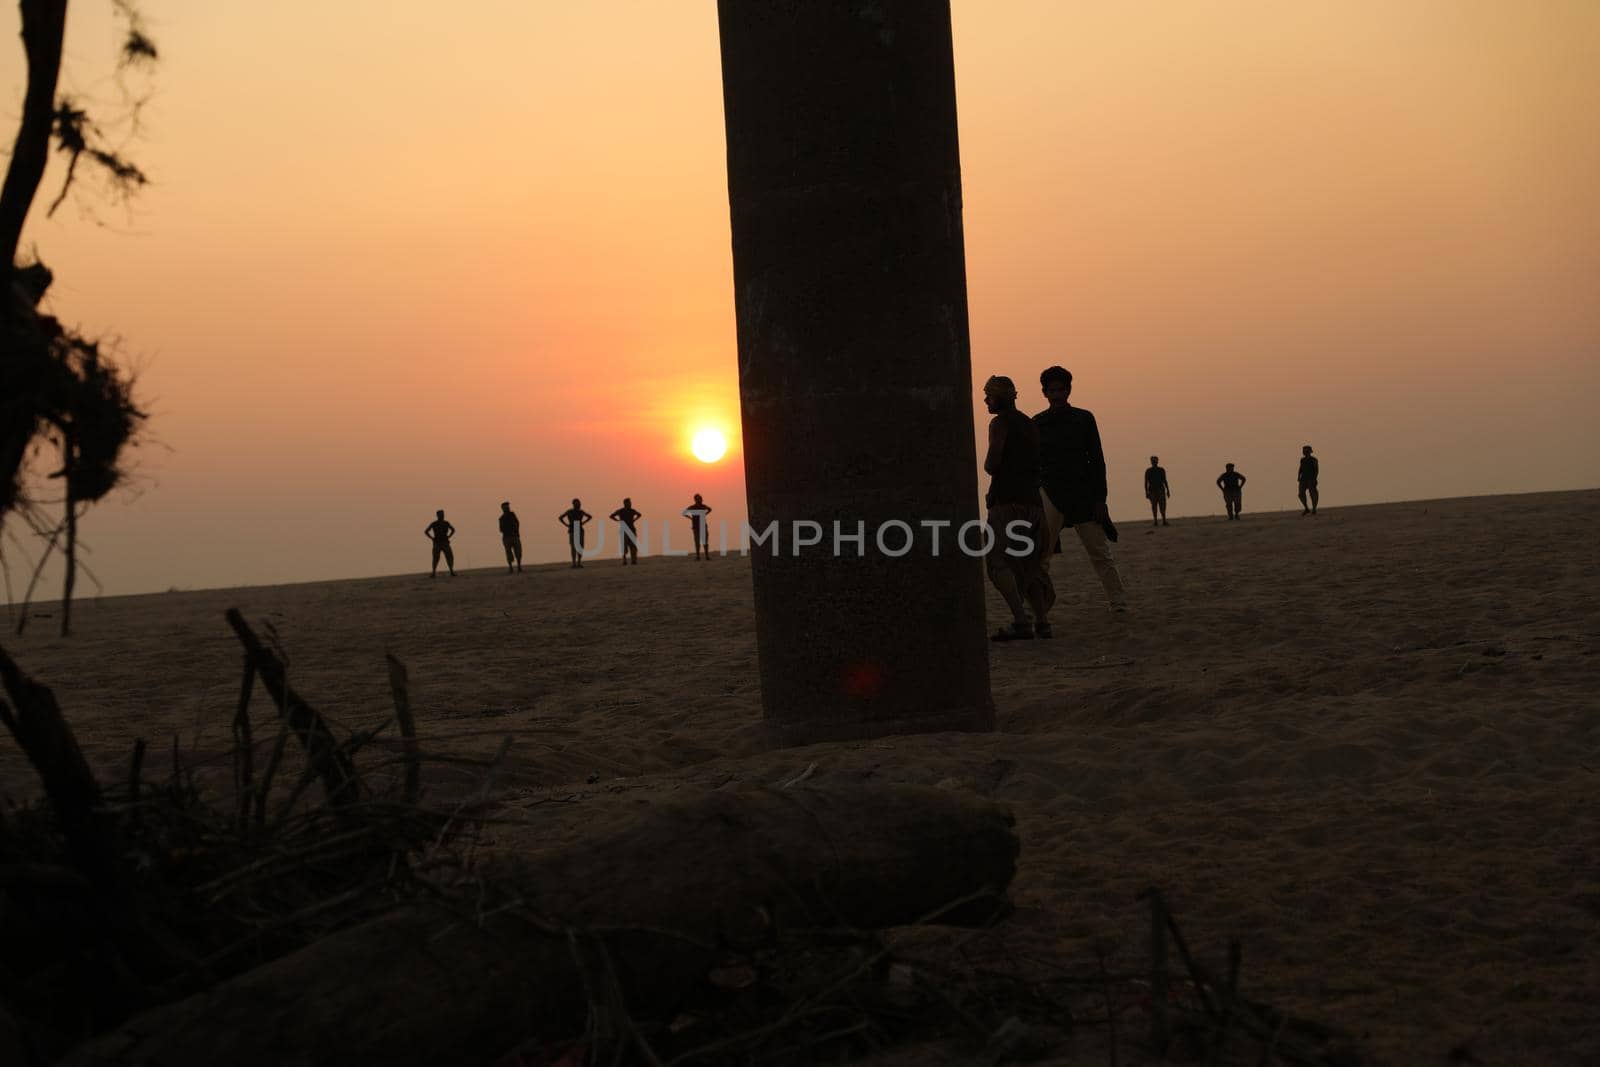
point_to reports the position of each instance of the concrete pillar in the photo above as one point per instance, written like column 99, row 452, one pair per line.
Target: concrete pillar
column 855, row 385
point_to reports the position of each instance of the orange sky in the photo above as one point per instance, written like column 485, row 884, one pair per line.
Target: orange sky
column 393, row 262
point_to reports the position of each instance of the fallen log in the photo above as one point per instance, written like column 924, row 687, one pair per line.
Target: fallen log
column 646, row 910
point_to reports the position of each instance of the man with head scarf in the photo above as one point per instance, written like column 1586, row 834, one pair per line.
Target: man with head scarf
column 1016, row 542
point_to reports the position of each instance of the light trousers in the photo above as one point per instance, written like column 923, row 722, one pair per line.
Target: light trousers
column 1094, row 543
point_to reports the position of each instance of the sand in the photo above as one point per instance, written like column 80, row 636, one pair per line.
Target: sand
column 1367, row 744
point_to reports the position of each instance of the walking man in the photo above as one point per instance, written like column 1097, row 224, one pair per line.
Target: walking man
column 626, row 516
column 1016, row 541
column 1231, row 482
column 574, row 519
column 1308, row 482
column 439, row 532
column 1072, row 478
column 1156, row 490
column 511, row 536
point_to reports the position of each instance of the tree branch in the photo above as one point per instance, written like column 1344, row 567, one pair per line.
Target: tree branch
column 44, row 27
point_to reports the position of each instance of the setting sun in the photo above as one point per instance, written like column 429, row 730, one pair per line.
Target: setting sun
column 709, row 445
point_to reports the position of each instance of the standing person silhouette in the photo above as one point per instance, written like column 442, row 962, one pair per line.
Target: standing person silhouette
column 511, row 536
column 439, row 531
column 1231, row 482
column 698, row 526
column 1072, row 481
column 1156, row 490
column 1015, row 514
column 574, row 519
column 627, row 517
column 1308, row 481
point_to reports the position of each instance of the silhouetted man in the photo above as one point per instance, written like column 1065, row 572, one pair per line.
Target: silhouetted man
column 1231, row 482
column 1072, row 477
column 511, row 536
column 439, row 532
column 1156, row 490
column 1308, row 481
column 627, row 518
column 698, row 527
column 574, row 519
column 1015, row 514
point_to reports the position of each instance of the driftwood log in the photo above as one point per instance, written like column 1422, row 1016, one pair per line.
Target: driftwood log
column 647, row 908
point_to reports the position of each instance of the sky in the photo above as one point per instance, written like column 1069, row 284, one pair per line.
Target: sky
column 394, row 259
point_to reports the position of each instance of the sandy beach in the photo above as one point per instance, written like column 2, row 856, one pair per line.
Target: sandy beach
column 1366, row 744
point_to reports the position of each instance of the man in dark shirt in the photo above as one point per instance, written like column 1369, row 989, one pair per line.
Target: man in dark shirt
column 574, row 519
column 1156, row 490
column 627, row 517
column 1308, row 481
column 511, row 536
column 1016, row 543
column 1231, row 482
column 439, row 532
column 698, row 527
column 1072, row 468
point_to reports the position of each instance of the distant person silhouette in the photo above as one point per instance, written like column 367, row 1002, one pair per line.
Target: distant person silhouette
column 628, row 517
column 1015, row 507
column 1231, row 482
column 1156, row 490
column 1072, row 480
column 439, row 532
column 699, row 529
column 574, row 519
column 1308, row 481
column 511, row 536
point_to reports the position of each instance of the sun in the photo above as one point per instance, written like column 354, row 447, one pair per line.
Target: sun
column 709, row 445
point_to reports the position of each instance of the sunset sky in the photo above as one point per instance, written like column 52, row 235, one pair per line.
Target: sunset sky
column 396, row 259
